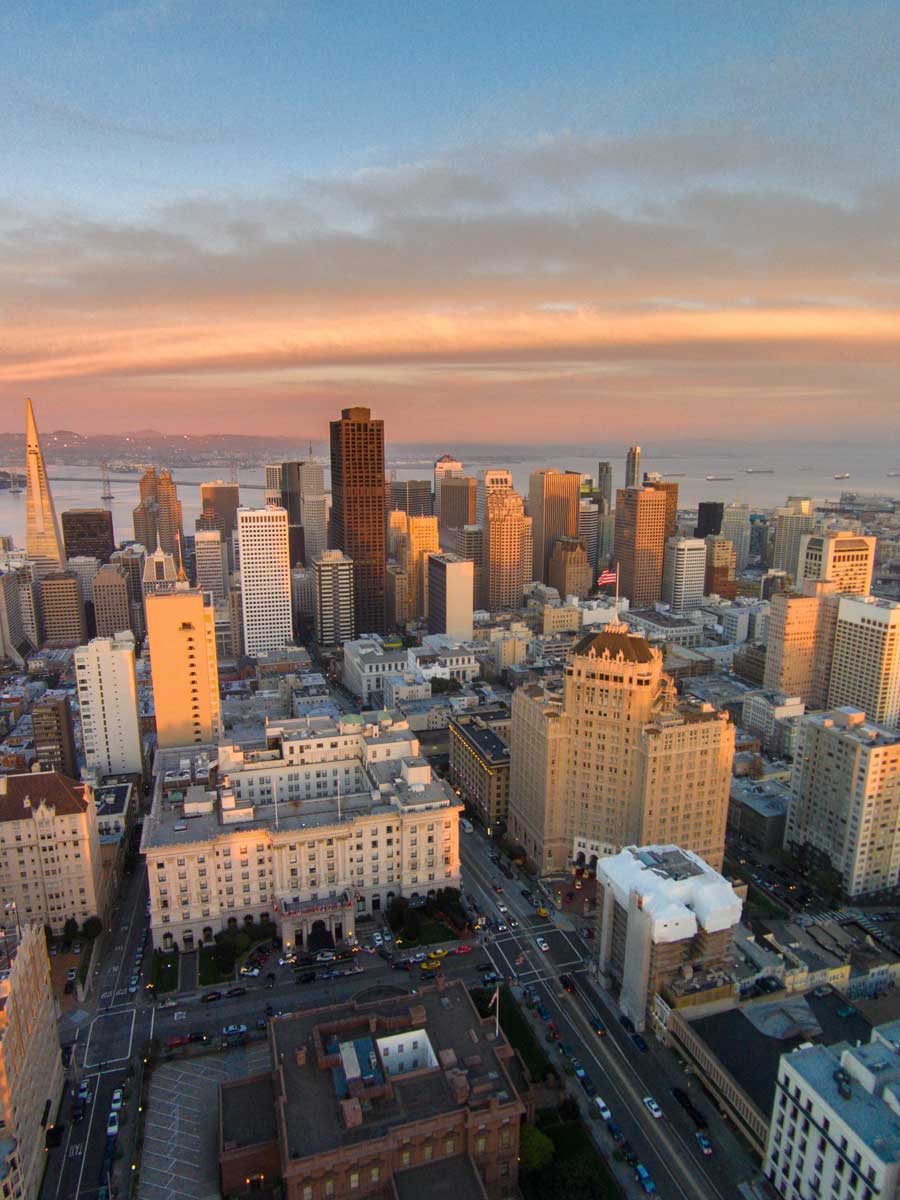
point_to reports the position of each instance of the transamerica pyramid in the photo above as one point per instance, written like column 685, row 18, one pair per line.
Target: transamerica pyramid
column 43, row 541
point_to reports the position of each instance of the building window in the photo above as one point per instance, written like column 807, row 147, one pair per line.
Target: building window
column 480, row 1144
column 354, row 1180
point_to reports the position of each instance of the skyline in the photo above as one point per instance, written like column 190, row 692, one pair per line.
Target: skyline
column 657, row 223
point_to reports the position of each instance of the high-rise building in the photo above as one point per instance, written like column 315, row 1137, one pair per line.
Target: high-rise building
column 265, row 579
column 211, row 556
column 15, row 643
column 571, row 571
column 62, row 609
column 539, row 749
column 412, row 496
column 709, row 518
column 88, row 531
column 421, row 542
column 459, row 501
column 640, row 537
column 720, row 568
column 335, row 601
column 132, row 559
column 604, row 486
column 181, row 632
column 306, row 482
column 107, row 696
column 30, row 1059
column 396, row 596
column 158, row 516
column 84, row 569
column 845, row 559
column 111, row 599
column 670, row 490
column 865, row 663
column 503, row 549
column 632, row 760
column 845, row 799
column 633, row 467
column 219, row 503
column 589, row 528
column 43, row 540
column 490, row 480
column 445, row 467
column 290, row 502
column 684, row 571
column 160, row 573
column 53, row 733
column 553, row 499
column 799, row 644
column 358, row 509
column 469, row 544
column 736, row 528
column 791, row 524
column 451, row 595
column 28, row 602
column 272, row 488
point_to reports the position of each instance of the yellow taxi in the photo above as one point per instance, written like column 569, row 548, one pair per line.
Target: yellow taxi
column 542, row 912
column 438, row 954
column 432, row 965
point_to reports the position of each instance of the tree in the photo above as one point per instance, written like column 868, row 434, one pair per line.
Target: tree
column 396, row 912
column 412, row 925
column 568, row 1109
column 70, row 929
column 92, row 927
column 535, row 1149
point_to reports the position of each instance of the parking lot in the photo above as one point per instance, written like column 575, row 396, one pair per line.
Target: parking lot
column 180, row 1151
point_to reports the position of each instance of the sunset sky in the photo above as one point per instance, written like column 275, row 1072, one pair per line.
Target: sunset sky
column 512, row 221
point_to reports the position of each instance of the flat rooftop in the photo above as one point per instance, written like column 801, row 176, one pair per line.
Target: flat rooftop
column 248, row 1113
column 450, row 1179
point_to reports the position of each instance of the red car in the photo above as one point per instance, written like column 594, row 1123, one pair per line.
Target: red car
column 463, row 949
column 175, row 1042
column 553, row 1031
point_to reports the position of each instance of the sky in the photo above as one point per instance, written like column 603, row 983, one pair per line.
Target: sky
column 517, row 221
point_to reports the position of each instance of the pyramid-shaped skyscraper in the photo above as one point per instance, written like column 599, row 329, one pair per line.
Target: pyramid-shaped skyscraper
column 43, row 540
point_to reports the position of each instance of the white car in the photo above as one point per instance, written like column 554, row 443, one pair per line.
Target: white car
column 602, row 1110
column 249, row 972
column 112, row 1124
column 543, row 945
column 233, row 1030
column 652, row 1107
column 117, row 1098
column 325, row 956
column 377, row 939
column 502, row 908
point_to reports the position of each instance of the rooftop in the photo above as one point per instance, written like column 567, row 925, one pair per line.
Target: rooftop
column 20, row 795
column 615, row 644
column 450, row 1179
column 248, row 1113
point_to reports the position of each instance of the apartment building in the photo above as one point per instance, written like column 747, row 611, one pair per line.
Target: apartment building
column 49, row 849
column 865, row 662
column 107, row 698
column 332, row 820
column 265, row 579
column 181, row 633
column 837, row 556
column 479, row 761
column 539, row 742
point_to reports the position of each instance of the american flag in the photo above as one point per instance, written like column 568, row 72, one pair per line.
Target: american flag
column 606, row 577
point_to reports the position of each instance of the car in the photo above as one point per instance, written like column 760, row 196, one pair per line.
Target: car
column 306, row 977
column 626, row 1023
column 76, row 948
column 66, row 1052
column 526, row 892
column 543, row 912
column 640, row 1043
column 112, row 1124
column 643, row 1177
column 513, row 923
column 432, row 965
column 706, row 1146
column 463, row 948
column 236, row 991
column 502, row 927
column 133, row 985
column 402, row 964
column 250, row 972
column 489, row 977
column 599, row 1106
column 615, row 1132
column 542, row 1012
column 598, row 1026
column 543, row 945
column 652, row 1107
column 174, row 1042
column 419, row 956
column 233, row 1030
column 78, row 1110
column 579, row 1069
column 197, row 1035
column 84, row 1092
column 589, row 1089
column 440, row 953
column 565, row 1049
column 847, row 1010
column 553, row 1030
column 377, row 938
column 325, row 956
column 502, row 908
column 209, row 997
column 118, row 1098
column 567, row 982
column 630, row 1157
column 498, row 888
column 71, row 975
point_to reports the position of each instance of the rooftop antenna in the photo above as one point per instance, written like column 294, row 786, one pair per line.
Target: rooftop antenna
column 181, row 576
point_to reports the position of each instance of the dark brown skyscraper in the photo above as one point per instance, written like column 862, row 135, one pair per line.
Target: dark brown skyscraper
column 671, row 493
column 54, row 738
column 88, row 531
column 358, row 509
column 640, row 539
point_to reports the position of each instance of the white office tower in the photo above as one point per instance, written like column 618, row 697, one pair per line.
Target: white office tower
column 212, row 563
column 444, row 468
column 84, row 567
column 107, row 698
column 840, row 557
column 791, row 524
column 313, row 510
column 265, row 579
column 684, row 569
column 865, row 661
column 589, row 528
column 491, row 480
column 451, row 595
column 335, row 598
column 272, row 486
column 736, row 528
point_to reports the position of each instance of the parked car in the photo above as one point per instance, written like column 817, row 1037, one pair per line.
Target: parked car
column 615, row 1132
column 542, row 1012
column 118, row 1098
column 626, row 1023
column 112, row 1124
column 640, row 1043
column 567, row 982
column 463, row 948
column 643, row 1177
column 542, row 944
column 652, row 1107
column 236, row 991
column 706, row 1146
column 84, row 1092
column 209, row 997
column 589, row 1089
column 78, row 1110
column 599, row 1107
column 249, row 972
column 71, row 974
column 579, row 1069
column 233, row 1030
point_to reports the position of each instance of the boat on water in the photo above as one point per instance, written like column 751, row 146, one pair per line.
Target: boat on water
column 15, row 491
column 845, row 475
column 719, row 478
column 680, row 474
column 759, row 471
column 893, row 474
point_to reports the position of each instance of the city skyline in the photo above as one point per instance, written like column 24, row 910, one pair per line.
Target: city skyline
column 653, row 222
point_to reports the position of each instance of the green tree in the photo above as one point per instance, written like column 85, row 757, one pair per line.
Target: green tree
column 396, row 913
column 92, row 927
column 70, row 929
column 535, row 1149
column 412, row 925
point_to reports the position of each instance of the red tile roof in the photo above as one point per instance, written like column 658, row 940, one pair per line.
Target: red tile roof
column 64, row 795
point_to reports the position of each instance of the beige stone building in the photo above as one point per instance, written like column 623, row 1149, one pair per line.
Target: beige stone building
column 421, row 542
column 31, row 1071
column 845, row 559
column 331, row 821
column 539, row 742
column 181, row 630
column 570, row 571
column 112, row 605
column 553, row 498
column 507, row 550
column 640, row 538
column 800, row 641
column 62, row 609
column 50, row 863
column 638, row 767
column 865, row 660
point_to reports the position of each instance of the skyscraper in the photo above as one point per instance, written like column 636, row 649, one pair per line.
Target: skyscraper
column 422, row 541
column 131, row 559
column 111, row 598
column 553, row 499
column 15, row 643
column 791, row 524
column 458, row 501
column 720, row 568
column 845, row 559
column 219, row 501
column 43, row 540
column 633, row 467
column 571, row 572
column 670, row 490
column 684, row 571
column 62, row 609
column 265, row 579
column 736, row 527
column 451, row 594
column 800, row 643
column 107, row 694
column 412, row 496
column 640, row 536
column 273, row 487
column 335, row 606
column 212, row 563
column 470, row 546
column 160, row 572
column 865, row 663
column 504, row 545
column 88, row 531
column 709, row 518
column 358, row 509
column 181, row 632
column 604, row 486
column 446, row 467
column 589, row 528
column 492, row 479
column 158, row 516
column 54, row 737
column 313, row 509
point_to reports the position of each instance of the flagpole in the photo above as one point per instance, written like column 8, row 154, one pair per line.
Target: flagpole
column 616, row 616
